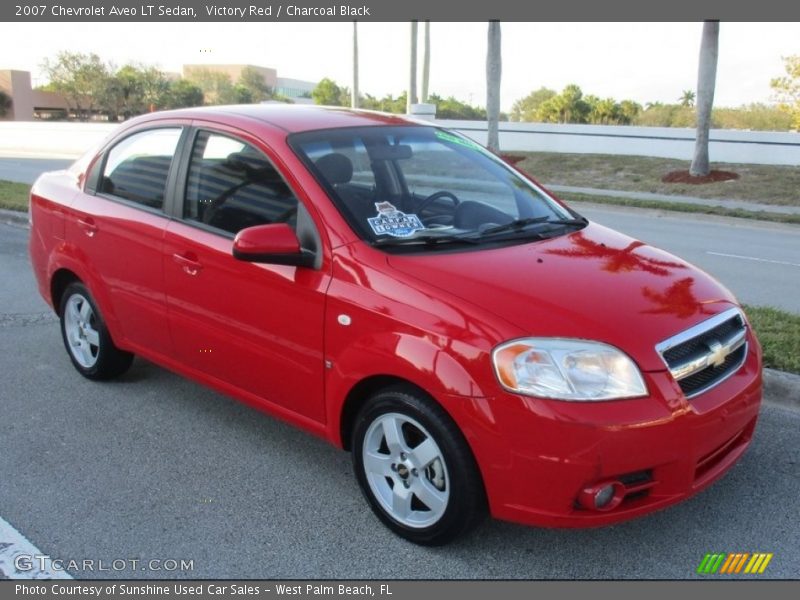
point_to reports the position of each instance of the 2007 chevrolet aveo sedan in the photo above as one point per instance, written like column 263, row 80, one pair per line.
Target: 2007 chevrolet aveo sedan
column 400, row 291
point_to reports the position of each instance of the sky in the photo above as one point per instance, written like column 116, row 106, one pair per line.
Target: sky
column 645, row 62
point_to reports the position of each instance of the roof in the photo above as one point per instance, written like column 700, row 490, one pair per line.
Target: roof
column 295, row 117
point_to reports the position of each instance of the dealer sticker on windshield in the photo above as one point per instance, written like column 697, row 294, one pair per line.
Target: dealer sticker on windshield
column 391, row 221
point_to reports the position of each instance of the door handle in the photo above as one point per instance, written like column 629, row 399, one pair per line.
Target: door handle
column 88, row 226
column 189, row 264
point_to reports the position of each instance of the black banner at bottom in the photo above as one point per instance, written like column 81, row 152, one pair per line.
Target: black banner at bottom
column 396, row 590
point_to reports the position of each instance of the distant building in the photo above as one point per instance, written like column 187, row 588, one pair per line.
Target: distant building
column 28, row 103
column 298, row 90
column 234, row 72
column 294, row 88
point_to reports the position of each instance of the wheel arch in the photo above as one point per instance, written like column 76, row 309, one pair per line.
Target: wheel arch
column 360, row 394
column 58, row 285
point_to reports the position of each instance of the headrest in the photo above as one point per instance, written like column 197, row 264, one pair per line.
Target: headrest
column 335, row 167
column 253, row 160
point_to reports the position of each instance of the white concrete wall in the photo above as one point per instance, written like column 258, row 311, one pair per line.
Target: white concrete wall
column 50, row 140
column 726, row 145
column 66, row 140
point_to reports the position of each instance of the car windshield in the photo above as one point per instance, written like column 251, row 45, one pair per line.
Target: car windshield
column 423, row 186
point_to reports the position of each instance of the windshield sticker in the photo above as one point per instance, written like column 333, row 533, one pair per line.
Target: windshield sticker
column 449, row 137
column 391, row 221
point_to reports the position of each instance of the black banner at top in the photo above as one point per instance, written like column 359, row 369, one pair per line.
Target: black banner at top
column 391, row 10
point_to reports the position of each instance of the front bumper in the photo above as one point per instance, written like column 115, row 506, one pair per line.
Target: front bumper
column 536, row 456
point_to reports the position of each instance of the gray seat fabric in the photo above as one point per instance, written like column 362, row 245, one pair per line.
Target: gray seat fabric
column 358, row 200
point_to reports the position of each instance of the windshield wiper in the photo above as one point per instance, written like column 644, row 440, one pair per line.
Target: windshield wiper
column 578, row 221
column 521, row 224
column 515, row 225
column 427, row 240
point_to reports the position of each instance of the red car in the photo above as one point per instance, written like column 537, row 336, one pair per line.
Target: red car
column 400, row 291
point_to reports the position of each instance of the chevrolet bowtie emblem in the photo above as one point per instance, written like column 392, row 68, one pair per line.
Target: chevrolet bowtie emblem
column 718, row 353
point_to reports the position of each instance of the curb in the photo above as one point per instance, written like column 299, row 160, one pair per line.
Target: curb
column 782, row 389
column 14, row 217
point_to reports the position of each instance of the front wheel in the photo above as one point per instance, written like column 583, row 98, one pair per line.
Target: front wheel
column 415, row 468
column 86, row 337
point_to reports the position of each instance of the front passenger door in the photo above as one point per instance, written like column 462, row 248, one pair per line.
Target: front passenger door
column 254, row 329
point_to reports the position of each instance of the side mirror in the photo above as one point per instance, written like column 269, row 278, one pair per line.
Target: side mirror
column 275, row 244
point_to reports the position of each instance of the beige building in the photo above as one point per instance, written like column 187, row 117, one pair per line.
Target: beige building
column 27, row 103
column 295, row 89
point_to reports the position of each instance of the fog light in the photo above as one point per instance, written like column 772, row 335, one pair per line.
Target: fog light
column 603, row 496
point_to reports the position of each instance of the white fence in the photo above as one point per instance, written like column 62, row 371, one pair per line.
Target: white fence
column 40, row 139
column 725, row 146
column 65, row 140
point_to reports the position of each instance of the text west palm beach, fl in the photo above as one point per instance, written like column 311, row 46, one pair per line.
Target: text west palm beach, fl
column 212, row 10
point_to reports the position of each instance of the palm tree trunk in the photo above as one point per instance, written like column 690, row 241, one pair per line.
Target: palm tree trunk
column 412, row 74
column 426, row 61
column 493, row 72
column 706, row 81
column 354, row 98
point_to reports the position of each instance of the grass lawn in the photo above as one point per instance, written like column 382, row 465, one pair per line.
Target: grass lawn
column 14, row 196
column 757, row 183
column 779, row 334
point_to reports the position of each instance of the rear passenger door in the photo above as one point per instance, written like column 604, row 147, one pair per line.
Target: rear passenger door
column 252, row 329
column 117, row 229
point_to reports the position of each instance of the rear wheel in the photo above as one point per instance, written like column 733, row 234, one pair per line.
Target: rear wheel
column 415, row 468
column 86, row 337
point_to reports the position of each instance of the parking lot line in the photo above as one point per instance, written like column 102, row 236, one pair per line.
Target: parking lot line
column 20, row 559
column 766, row 260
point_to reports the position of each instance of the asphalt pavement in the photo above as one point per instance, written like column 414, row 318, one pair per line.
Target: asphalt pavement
column 758, row 261
column 154, row 466
column 26, row 170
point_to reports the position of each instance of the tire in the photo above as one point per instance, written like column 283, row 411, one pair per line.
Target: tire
column 86, row 338
column 415, row 468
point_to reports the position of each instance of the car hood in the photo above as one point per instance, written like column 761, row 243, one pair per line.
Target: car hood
column 592, row 284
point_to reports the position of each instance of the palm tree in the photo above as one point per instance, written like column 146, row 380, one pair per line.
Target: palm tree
column 706, row 81
column 687, row 98
column 412, row 74
column 494, row 67
column 426, row 61
column 354, row 93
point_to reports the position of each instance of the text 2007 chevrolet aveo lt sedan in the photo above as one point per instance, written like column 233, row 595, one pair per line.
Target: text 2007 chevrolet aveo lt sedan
column 398, row 290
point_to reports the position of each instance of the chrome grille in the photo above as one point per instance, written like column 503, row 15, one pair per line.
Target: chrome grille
column 706, row 354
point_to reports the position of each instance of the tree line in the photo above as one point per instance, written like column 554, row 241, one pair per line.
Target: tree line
column 572, row 106
column 91, row 86
column 330, row 93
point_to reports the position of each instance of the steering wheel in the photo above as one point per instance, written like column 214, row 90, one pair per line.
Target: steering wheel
column 436, row 196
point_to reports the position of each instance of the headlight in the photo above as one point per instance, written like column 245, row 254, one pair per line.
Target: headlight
column 567, row 369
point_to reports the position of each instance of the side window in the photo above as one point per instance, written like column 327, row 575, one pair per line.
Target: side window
column 232, row 185
column 136, row 169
